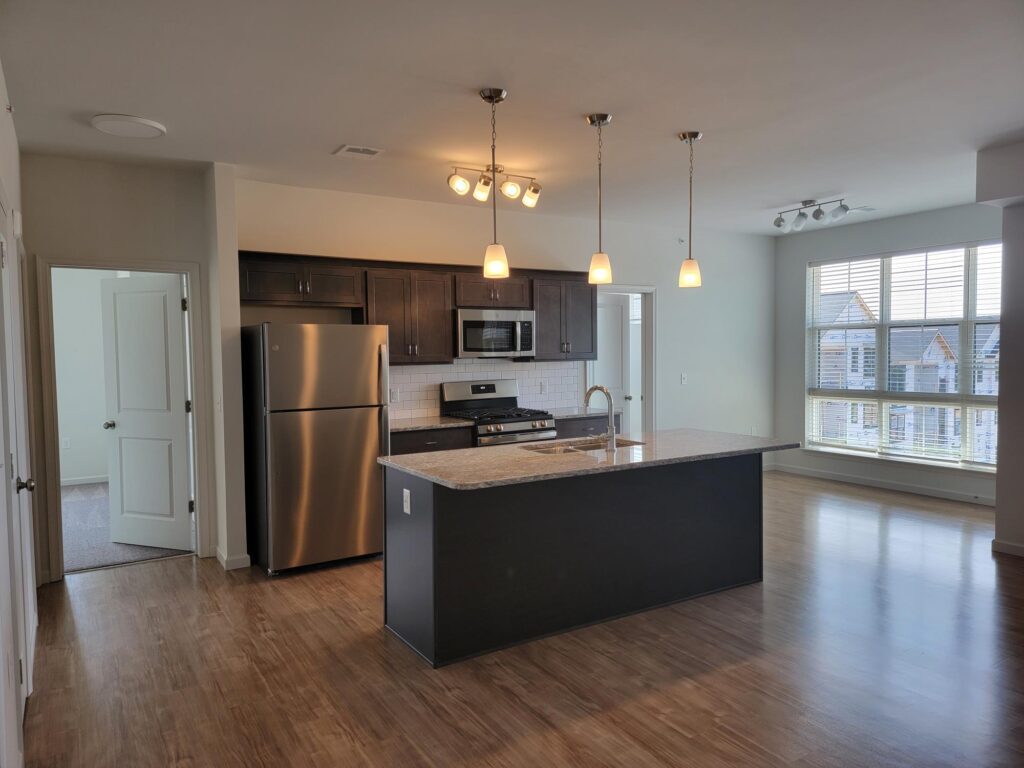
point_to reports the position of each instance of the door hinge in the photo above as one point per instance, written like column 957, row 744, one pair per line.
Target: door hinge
column 191, row 506
column 21, row 672
column 184, row 305
column 188, row 406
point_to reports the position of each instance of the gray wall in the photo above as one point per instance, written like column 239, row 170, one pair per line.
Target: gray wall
column 792, row 254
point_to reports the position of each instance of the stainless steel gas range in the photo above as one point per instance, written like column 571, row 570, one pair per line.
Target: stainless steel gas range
column 493, row 407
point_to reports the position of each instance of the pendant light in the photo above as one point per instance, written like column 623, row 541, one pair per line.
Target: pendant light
column 600, row 264
column 495, row 260
column 689, row 272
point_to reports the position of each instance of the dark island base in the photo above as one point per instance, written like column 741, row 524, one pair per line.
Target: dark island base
column 467, row 572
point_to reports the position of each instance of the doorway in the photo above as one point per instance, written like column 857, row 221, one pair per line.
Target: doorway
column 124, row 417
column 625, row 359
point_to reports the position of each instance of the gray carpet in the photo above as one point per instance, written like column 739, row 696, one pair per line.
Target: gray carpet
column 87, row 541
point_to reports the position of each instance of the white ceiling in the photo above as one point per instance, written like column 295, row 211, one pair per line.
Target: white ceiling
column 882, row 101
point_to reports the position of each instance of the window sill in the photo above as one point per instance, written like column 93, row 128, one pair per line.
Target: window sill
column 885, row 459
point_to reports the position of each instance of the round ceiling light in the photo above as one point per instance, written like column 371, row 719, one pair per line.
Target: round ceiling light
column 128, row 126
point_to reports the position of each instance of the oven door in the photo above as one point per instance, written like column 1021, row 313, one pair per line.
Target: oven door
column 517, row 437
column 495, row 333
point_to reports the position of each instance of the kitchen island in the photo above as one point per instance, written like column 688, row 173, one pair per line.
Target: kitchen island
column 492, row 546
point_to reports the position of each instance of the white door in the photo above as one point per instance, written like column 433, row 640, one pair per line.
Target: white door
column 147, row 420
column 612, row 365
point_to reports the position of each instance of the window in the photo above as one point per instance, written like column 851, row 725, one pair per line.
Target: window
column 929, row 321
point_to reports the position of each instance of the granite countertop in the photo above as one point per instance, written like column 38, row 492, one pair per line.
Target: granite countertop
column 489, row 466
column 428, row 422
column 580, row 412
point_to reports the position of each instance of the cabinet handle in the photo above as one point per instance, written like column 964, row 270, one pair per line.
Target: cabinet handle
column 308, row 289
column 569, row 345
column 416, row 349
column 431, row 442
column 300, row 286
column 497, row 294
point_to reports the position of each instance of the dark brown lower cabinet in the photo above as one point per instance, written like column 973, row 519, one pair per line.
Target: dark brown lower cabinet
column 425, row 440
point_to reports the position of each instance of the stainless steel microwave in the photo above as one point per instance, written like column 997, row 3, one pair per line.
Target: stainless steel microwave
column 496, row 332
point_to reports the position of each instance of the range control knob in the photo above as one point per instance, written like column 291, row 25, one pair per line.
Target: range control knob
column 501, row 428
column 490, row 428
column 533, row 424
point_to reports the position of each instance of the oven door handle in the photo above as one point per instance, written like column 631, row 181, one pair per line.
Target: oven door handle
column 517, row 437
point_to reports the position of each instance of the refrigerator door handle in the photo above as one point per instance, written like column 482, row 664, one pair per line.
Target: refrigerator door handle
column 385, row 395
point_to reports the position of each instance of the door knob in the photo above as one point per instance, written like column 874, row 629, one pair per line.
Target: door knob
column 109, row 424
column 628, row 397
column 25, row 485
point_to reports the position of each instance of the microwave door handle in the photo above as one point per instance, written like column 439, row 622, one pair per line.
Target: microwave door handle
column 519, row 343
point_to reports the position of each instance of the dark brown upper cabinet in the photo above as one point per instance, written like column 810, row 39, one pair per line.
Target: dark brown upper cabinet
column 300, row 281
column 271, row 280
column 479, row 291
column 566, row 319
column 417, row 308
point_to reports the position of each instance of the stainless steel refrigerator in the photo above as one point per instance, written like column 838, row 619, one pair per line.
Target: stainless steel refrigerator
column 316, row 419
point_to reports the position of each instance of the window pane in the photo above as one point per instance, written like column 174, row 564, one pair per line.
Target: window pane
column 926, row 431
column 927, row 285
column 924, row 359
column 844, row 423
column 848, row 293
column 986, row 359
column 847, row 359
column 986, row 432
column 989, row 280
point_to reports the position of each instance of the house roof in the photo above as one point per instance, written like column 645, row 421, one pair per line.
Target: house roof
column 909, row 345
column 843, row 307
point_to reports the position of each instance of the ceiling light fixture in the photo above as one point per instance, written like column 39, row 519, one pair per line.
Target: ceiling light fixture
column 495, row 260
column 128, row 126
column 819, row 214
column 459, row 184
column 689, row 271
column 600, row 265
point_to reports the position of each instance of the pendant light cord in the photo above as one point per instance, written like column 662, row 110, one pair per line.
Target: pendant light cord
column 690, row 234
column 600, row 147
column 494, row 169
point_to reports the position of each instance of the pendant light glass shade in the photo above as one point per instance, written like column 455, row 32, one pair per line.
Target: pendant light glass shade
column 531, row 194
column 600, row 269
column 511, row 189
column 689, row 274
column 495, row 261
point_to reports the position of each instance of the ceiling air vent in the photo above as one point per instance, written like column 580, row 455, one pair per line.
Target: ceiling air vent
column 351, row 150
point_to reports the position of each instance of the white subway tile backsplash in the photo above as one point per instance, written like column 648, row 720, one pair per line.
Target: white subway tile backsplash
column 421, row 391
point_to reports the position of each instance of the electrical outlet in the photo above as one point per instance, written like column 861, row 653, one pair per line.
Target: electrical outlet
column 65, row 443
column 543, row 387
column 406, row 501
column 396, row 394
column 684, row 378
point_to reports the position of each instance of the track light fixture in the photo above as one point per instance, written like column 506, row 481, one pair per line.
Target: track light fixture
column 512, row 187
column 819, row 214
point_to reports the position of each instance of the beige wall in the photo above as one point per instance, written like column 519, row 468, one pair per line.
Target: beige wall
column 9, row 161
column 81, row 211
column 720, row 335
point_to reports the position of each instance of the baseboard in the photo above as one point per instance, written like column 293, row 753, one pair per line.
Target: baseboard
column 232, row 563
column 920, row 490
column 1007, row 548
column 65, row 481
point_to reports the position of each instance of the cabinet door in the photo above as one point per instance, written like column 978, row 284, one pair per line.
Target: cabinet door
column 479, row 291
column 512, row 293
column 271, row 280
column 432, row 317
column 389, row 302
column 550, row 327
column 336, row 285
column 580, row 320
column 423, row 441
column 586, row 426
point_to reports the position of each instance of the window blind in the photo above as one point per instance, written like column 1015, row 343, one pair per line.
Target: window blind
column 903, row 354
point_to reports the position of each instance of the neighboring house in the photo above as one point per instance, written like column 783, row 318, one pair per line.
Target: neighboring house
column 921, row 359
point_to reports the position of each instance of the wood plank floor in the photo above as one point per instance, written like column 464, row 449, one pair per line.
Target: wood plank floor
column 885, row 634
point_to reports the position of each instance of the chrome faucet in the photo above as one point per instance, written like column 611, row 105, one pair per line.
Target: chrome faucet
column 611, row 412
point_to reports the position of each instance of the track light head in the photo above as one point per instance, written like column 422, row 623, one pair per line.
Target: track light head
column 458, row 183
column 483, row 188
column 839, row 212
column 779, row 222
column 800, row 221
column 531, row 195
column 818, row 214
column 510, row 189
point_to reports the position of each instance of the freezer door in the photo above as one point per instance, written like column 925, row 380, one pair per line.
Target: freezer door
column 325, row 486
column 323, row 366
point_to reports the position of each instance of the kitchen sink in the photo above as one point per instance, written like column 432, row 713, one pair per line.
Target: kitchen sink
column 578, row 446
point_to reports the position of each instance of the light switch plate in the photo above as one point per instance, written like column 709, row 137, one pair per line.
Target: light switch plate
column 683, row 378
column 406, row 501
column 395, row 393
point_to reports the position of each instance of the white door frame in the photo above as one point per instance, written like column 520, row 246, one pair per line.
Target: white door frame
column 205, row 518
column 648, row 309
